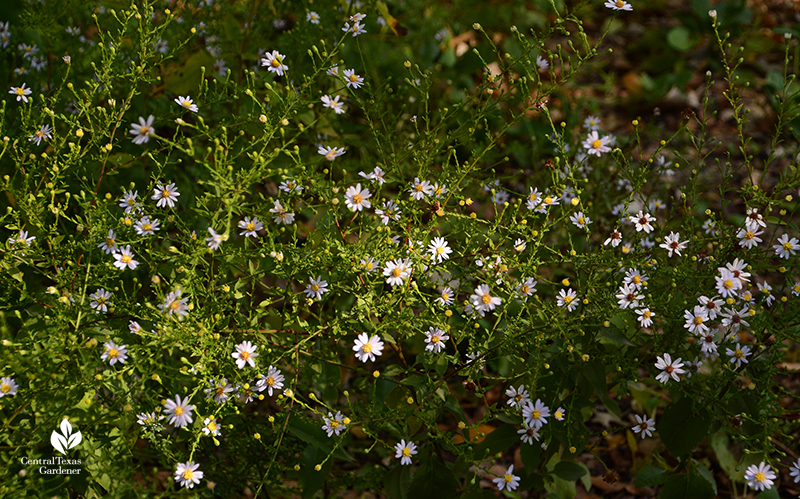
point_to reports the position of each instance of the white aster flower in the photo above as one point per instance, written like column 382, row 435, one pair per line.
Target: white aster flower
column 669, row 368
column 508, row 481
column 738, row 355
column 186, row 103
column 435, row 339
column 760, row 477
column 367, row 347
column 245, row 354
column 143, row 131
column 356, row 198
column 187, row 474
column 180, row 411
column 165, row 195
column 405, row 451
column 273, row 380
column 439, row 249
column 535, row 414
column 316, row 288
column 644, row 425
column 274, row 63
column 124, row 258
column 483, row 301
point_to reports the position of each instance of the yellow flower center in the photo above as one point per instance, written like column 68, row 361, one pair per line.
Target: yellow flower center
column 548, row 200
column 369, row 265
column 446, row 297
column 187, row 104
column 418, row 187
column 165, row 193
column 738, row 354
column 440, row 250
column 787, row 245
column 406, row 452
column 5, row 388
column 147, row 226
column 187, row 474
column 220, row 391
column 179, row 411
column 144, row 130
column 727, row 284
column 331, row 156
column 526, row 289
column 353, row 77
column 250, row 226
column 620, row 4
column 508, row 478
column 275, row 62
column 749, row 235
column 486, row 299
column 536, row 414
column 435, row 338
column 597, row 144
column 698, row 320
column 334, row 424
column 175, row 305
column 568, row 299
column 367, row 348
column 357, row 199
column 760, row 477
column 212, row 426
column 314, row 287
column 244, row 355
column 646, row 314
column 396, row 272
column 581, row 220
column 110, row 242
column 19, row 92
column 113, row 353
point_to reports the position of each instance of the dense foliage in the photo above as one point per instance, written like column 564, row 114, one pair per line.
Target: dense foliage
column 292, row 248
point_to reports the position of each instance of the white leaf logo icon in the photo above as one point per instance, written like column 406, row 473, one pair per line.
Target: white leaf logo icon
column 66, row 440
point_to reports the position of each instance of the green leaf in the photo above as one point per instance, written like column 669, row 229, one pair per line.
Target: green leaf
column 681, row 428
column 433, row 482
column 705, row 473
column 531, row 455
column 687, row 487
column 313, row 434
column 680, row 38
column 397, row 481
column 771, row 493
column 650, row 476
column 719, row 443
column 499, row 440
column 569, row 471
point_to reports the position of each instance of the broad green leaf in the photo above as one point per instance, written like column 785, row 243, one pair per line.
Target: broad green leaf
column 687, row 487
column 679, row 37
column 397, row 482
column 650, row 476
column 682, row 428
column 499, row 440
column 771, row 493
column 569, row 471
column 434, row 481
column 705, row 473
column 719, row 443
